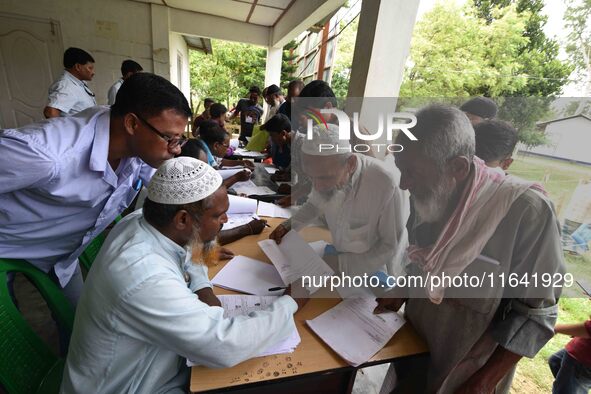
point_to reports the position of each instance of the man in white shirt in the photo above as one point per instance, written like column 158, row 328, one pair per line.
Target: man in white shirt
column 357, row 197
column 128, row 68
column 274, row 98
column 70, row 94
column 146, row 306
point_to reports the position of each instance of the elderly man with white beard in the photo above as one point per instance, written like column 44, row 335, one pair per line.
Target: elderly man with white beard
column 472, row 220
column 146, row 306
column 357, row 197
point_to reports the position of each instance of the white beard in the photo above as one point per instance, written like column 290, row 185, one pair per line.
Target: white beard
column 334, row 198
column 431, row 209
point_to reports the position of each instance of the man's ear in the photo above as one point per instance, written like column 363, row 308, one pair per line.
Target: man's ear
column 182, row 220
column 130, row 122
column 460, row 167
column 351, row 163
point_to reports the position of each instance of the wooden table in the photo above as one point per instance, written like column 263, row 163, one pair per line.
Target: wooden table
column 313, row 366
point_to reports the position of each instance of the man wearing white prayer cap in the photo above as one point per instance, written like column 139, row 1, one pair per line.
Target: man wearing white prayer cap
column 358, row 199
column 146, row 306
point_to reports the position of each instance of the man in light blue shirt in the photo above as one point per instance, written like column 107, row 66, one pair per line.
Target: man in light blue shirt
column 62, row 182
column 128, row 68
column 146, row 306
column 70, row 94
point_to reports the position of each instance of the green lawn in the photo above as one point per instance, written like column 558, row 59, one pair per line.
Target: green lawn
column 559, row 179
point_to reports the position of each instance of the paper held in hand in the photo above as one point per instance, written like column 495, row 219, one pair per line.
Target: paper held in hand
column 353, row 318
column 295, row 258
column 236, row 305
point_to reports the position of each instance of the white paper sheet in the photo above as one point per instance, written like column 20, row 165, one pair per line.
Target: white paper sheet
column 273, row 211
column 249, row 188
column 249, row 276
column 236, row 305
column 228, row 172
column 238, row 219
column 293, row 258
column 354, row 318
column 271, row 170
column 241, row 205
column 247, row 153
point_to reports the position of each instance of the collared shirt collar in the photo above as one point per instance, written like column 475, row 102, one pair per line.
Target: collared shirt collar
column 99, row 153
column 74, row 79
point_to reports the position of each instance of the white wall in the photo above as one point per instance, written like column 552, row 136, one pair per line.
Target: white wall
column 110, row 30
column 178, row 47
column 570, row 139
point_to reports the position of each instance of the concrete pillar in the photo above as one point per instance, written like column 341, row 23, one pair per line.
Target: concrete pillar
column 382, row 46
column 272, row 70
column 160, row 40
column 273, row 67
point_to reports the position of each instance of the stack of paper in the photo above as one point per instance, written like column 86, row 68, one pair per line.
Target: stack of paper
column 236, row 305
column 353, row 331
column 294, row 258
column 241, row 205
column 249, row 276
column 273, row 211
column 249, row 188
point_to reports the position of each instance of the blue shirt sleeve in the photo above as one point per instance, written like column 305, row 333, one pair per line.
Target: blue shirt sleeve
column 22, row 164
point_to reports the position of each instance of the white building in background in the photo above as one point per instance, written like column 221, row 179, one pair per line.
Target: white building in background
column 569, row 139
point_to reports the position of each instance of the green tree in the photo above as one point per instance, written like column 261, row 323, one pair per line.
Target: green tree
column 578, row 23
column 494, row 48
column 227, row 73
column 344, row 58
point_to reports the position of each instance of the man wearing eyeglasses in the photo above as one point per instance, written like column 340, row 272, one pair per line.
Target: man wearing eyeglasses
column 70, row 94
column 63, row 182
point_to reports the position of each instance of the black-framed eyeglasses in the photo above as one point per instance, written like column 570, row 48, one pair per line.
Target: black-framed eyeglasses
column 172, row 142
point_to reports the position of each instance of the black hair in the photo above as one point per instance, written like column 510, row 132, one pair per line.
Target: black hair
column 296, row 82
column 480, row 106
column 192, row 148
column 129, row 66
column 208, row 100
column 211, row 132
column 495, row 140
column 161, row 215
column 147, row 95
column 321, row 91
column 273, row 89
column 277, row 124
column 255, row 89
column 217, row 109
column 73, row 56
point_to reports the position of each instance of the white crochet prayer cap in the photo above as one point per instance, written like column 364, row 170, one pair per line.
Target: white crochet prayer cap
column 325, row 142
column 182, row 181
